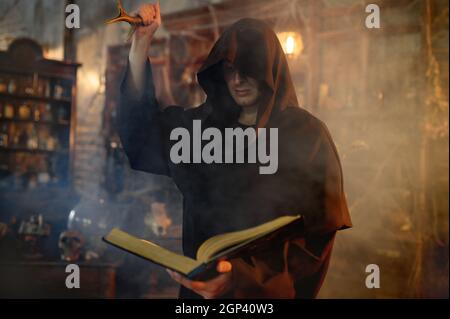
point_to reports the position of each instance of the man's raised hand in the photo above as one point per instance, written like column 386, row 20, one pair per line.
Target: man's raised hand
column 151, row 18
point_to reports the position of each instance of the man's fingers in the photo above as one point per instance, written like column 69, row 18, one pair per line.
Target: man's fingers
column 209, row 289
column 148, row 13
column 224, row 266
column 177, row 277
column 190, row 284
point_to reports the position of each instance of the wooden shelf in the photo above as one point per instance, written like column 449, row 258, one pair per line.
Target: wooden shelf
column 35, row 98
column 51, row 123
column 28, row 150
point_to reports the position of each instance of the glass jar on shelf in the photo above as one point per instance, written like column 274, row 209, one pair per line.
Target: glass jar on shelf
column 49, row 112
column 28, row 87
column 43, row 87
column 47, row 88
column 36, row 112
column 40, row 89
column 8, row 111
column 41, row 108
column 46, row 114
column 43, row 136
column 52, row 143
column 32, row 142
column 24, row 111
column 3, row 84
column 46, row 140
column 43, row 170
column 58, row 90
column 12, row 86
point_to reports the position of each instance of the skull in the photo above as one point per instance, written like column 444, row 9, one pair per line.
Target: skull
column 70, row 243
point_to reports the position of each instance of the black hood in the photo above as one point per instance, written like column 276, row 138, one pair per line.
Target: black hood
column 253, row 47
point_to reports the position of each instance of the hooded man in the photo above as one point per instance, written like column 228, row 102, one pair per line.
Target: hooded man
column 248, row 85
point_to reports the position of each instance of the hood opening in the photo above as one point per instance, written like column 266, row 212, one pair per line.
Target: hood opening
column 253, row 47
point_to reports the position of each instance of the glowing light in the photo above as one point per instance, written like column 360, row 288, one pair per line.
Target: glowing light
column 290, row 45
column 92, row 80
column 291, row 42
column 72, row 214
column 53, row 53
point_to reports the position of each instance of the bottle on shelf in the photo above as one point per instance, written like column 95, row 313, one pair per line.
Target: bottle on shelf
column 41, row 107
column 32, row 142
column 43, row 175
column 58, row 90
column 8, row 111
column 24, row 112
column 52, row 143
column 43, row 137
column 47, row 88
column 43, row 178
column 28, row 86
column 12, row 86
column 4, row 135
column 40, row 89
column 3, row 85
column 36, row 113
column 48, row 114
column 32, row 180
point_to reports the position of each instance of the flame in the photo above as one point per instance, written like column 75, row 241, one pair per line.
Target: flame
column 291, row 42
column 290, row 45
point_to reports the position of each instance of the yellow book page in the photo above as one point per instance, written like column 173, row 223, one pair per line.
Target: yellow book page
column 220, row 242
column 152, row 251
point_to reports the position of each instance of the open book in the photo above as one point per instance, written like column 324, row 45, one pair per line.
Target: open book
column 227, row 245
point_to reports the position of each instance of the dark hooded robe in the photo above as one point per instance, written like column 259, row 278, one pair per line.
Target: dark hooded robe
column 220, row 198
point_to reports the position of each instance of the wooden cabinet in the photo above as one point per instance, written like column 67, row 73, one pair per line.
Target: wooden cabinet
column 37, row 118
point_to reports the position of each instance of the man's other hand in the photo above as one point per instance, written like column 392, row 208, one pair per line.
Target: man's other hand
column 211, row 289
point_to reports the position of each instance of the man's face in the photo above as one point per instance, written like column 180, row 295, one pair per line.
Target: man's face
column 244, row 90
